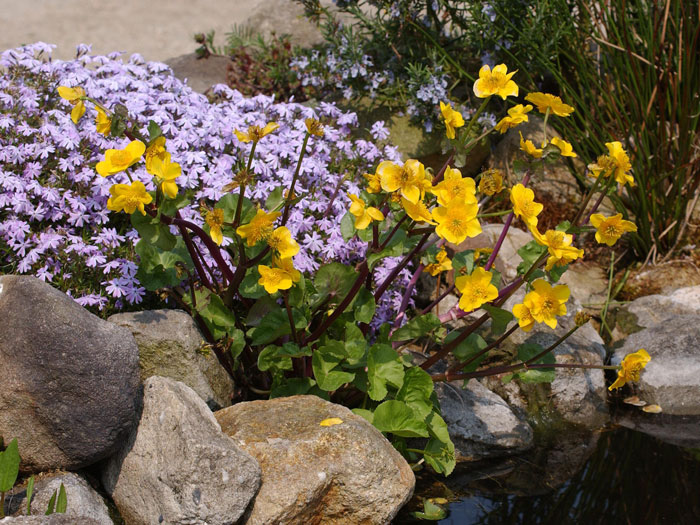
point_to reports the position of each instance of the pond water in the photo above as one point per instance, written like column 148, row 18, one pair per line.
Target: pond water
column 629, row 478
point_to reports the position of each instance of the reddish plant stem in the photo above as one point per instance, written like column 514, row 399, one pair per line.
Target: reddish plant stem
column 407, row 295
column 444, row 294
column 446, row 349
column 198, row 263
column 392, row 232
column 383, row 287
column 490, row 346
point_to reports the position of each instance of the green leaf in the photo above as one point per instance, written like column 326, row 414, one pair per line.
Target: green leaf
column 218, row 318
column 326, row 366
column 269, row 358
column 9, row 466
column 152, row 231
column 397, row 418
column 416, row 391
column 293, row 387
column 154, row 131
column 383, row 367
column 62, row 500
column 52, row 504
column 170, row 206
column 417, row 327
column 431, row 512
column 556, row 272
column 440, row 456
column 396, row 247
column 527, row 351
column 367, row 414
column 364, row 306
column 273, row 325
column 157, row 268
column 464, row 260
column 539, row 375
column 499, row 318
column 30, row 493
column 237, row 343
column 249, row 287
column 334, row 280
column 530, row 253
column 118, row 126
column 275, row 199
column 260, row 309
column 467, row 349
column 355, row 344
column 229, row 203
column 563, row 226
column 297, row 292
column 347, row 226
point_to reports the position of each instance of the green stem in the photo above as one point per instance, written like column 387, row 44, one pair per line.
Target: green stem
column 290, row 194
column 476, row 116
column 494, row 214
column 544, row 126
column 241, row 194
column 285, row 295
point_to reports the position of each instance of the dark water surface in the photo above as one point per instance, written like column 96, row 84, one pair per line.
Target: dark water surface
column 631, row 478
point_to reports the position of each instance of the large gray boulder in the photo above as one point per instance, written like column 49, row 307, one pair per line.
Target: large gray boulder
column 170, row 345
column 177, row 466
column 652, row 309
column 346, row 474
column 53, row 519
column 69, row 379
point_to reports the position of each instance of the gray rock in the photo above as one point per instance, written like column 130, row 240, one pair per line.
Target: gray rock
column 652, row 309
column 672, row 378
column 69, row 379
column 83, row 500
column 480, row 423
column 342, row 474
column 169, row 346
column 200, row 73
column 53, row 519
column 177, row 466
column 682, row 431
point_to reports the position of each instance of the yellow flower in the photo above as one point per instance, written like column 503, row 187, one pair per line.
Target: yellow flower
column 408, row 179
column 280, row 240
column 419, row 212
column 457, row 221
column 454, row 186
column 75, row 97
column 558, row 244
column 166, row 172
column 516, row 115
column 565, row 148
column 102, row 122
column 274, row 279
column 610, row 229
column 255, row 133
column 496, row 82
column 314, row 127
column 117, row 160
column 491, row 182
column 259, row 228
column 287, row 265
column 545, row 101
column 215, row 221
column 331, row 421
column 374, row 183
column 528, row 147
column 546, row 302
column 129, row 197
column 476, row 289
column 631, row 367
column 568, row 254
column 525, row 319
column 155, row 149
column 621, row 162
column 524, row 205
column 442, row 264
column 364, row 215
column 453, row 119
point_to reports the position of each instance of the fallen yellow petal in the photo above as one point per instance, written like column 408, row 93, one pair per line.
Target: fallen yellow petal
column 634, row 401
column 331, row 421
column 652, row 409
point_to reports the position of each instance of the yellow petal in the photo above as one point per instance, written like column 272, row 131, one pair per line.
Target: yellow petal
column 331, row 421
column 652, row 409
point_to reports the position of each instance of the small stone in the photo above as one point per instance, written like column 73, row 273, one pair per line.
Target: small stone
column 652, row 409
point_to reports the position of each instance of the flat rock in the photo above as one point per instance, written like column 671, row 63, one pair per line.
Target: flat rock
column 481, row 424
column 69, row 379
column 652, row 309
column 177, row 466
column 200, row 73
column 672, row 378
column 170, row 346
column 53, row 519
column 682, row 431
column 342, row 474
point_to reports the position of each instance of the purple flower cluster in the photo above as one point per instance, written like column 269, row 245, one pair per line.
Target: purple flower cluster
column 53, row 218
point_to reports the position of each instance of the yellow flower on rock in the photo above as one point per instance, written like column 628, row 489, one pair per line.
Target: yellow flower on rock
column 453, row 119
column 215, row 221
column 525, row 319
column 565, row 149
column 407, row 179
column 374, row 183
column 516, row 115
column 545, row 101
column 259, row 228
column 476, row 289
column 419, row 212
column 280, row 240
column 631, row 367
column 102, row 122
column 524, row 205
column 457, row 221
column 545, row 302
column 364, row 214
column 442, row 264
column 314, row 127
column 528, row 147
column 454, row 186
column 75, row 97
column 255, row 133
column 496, row 82
column 610, row 229
column 117, row 160
column 155, row 149
column 491, row 182
column 129, row 197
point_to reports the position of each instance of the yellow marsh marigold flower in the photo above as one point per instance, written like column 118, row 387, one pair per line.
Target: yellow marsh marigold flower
column 525, row 319
column 476, row 289
column 546, row 302
column 491, row 182
column 616, row 163
column 374, row 183
column 516, row 115
column 215, row 221
column 364, row 214
column 524, row 205
column 407, row 179
column 453, row 119
column 75, row 97
column 274, row 279
column 558, row 245
column 155, row 149
column 286, row 264
column 457, row 221
column 129, row 197
column 117, row 160
column 631, row 367
column 496, row 82
column 442, row 264
column 314, row 127
column 419, row 212
column 166, row 172
column 281, row 242
column 528, row 147
column 610, row 229
column 102, row 122
column 255, row 133
column 545, row 101
column 454, row 186
column 259, row 228
column 565, row 149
